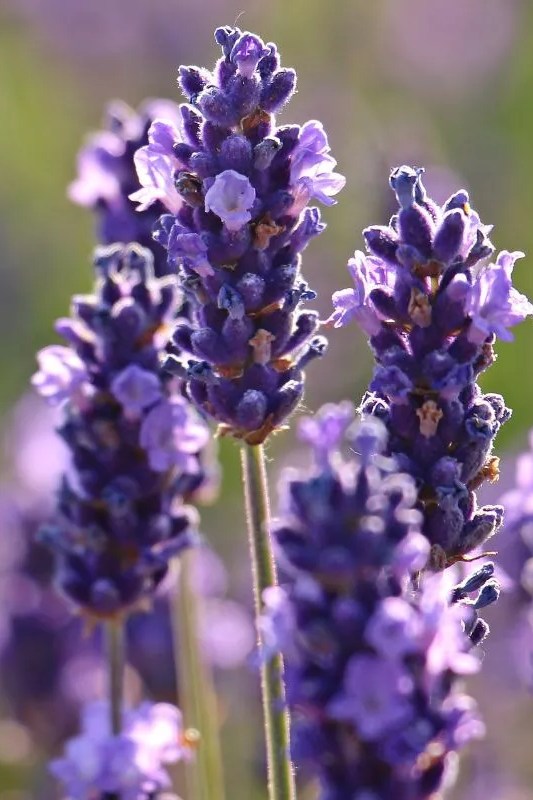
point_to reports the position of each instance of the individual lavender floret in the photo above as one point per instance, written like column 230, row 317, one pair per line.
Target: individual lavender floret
column 371, row 666
column 432, row 307
column 237, row 187
column 107, row 177
column 129, row 765
column 134, row 440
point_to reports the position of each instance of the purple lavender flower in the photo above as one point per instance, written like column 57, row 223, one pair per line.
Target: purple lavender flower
column 493, row 304
column 371, row 665
column 230, row 197
column 243, row 185
column 134, row 441
column 61, row 373
column 312, row 167
column 432, row 307
column 107, row 176
column 130, row 765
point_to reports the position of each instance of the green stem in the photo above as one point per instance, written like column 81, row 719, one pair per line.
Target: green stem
column 115, row 656
column 280, row 772
column 204, row 775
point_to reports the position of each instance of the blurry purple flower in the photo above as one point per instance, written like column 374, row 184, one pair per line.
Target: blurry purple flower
column 494, row 304
column 411, row 554
column 230, row 197
column 354, row 304
column 394, row 628
column 95, row 180
column 443, row 630
column 375, row 696
column 61, row 373
column 325, row 430
column 172, row 434
column 226, row 633
column 30, row 432
column 136, row 388
column 129, row 764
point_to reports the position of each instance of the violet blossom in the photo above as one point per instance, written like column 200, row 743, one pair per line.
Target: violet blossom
column 135, row 442
column 372, row 665
column 131, row 764
column 107, row 176
column 432, row 306
column 236, row 238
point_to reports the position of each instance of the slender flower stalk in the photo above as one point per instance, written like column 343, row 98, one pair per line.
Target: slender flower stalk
column 115, row 658
column 204, row 775
column 432, row 306
column 280, row 770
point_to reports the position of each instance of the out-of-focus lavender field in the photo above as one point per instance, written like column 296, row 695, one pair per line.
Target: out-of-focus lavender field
column 424, row 82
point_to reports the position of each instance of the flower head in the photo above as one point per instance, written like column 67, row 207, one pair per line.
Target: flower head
column 135, row 442
column 130, row 764
column 371, row 664
column 236, row 235
column 431, row 307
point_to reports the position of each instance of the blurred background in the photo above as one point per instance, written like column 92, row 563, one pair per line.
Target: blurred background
column 423, row 82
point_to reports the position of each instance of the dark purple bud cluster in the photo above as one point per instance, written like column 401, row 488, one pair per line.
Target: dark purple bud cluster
column 432, row 307
column 237, row 187
column 371, row 665
column 134, row 440
column 107, row 176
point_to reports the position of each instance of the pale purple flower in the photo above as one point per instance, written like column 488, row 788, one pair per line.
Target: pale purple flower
column 61, row 373
column 155, row 164
column 230, row 197
column 191, row 250
column 96, row 181
column 411, row 554
column 130, row 764
column 375, row 696
column 172, row 433
column 494, row 304
column 394, row 628
column 136, row 388
column 326, row 429
column 367, row 273
column 247, row 52
column 225, row 632
column 443, row 631
column 312, row 167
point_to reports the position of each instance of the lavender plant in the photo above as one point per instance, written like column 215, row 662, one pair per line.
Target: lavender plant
column 238, row 189
column 432, row 307
column 135, row 445
column 374, row 648
column 107, row 176
column 372, row 666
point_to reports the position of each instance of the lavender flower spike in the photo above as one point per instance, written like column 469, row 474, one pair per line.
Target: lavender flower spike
column 107, row 176
column 134, row 441
column 432, row 307
column 243, row 219
column 371, row 667
column 129, row 765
